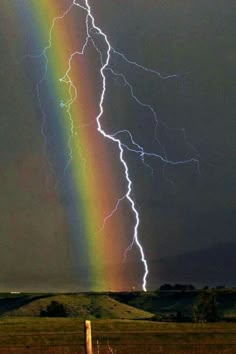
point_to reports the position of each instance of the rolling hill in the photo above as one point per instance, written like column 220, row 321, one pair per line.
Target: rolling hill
column 89, row 306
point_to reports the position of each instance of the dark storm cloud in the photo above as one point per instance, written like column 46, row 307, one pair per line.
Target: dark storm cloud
column 195, row 38
column 181, row 211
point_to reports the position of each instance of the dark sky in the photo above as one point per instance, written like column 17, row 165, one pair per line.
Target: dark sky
column 196, row 38
column 182, row 211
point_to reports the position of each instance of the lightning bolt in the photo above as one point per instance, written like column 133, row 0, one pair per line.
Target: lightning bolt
column 131, row 145
column 115, row 139
column 72, row 98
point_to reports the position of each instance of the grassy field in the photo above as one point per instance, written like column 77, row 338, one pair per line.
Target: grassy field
column 124, row 305
column 165, row 303
column 119, row 324
column 65, row 335
column 80, row 305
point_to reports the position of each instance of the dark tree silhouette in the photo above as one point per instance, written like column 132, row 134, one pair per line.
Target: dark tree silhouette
column 54, row 309
column 205, row 307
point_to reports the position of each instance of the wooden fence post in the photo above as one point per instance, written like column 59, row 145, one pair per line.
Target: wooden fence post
column 88, row 337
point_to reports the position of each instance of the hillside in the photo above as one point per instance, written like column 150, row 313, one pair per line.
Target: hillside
column 167, row 304
column 89, row 306
column 164, row 305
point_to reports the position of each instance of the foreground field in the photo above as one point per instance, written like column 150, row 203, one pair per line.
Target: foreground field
column 65, row 335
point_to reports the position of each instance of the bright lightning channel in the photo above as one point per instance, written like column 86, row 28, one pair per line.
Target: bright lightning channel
column 135, row 147
column 117, row 141
column 72, row 98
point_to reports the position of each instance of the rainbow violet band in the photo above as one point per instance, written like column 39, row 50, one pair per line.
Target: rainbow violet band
column 82, row 158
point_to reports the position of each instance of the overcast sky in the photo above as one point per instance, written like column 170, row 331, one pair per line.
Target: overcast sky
column 182, row 208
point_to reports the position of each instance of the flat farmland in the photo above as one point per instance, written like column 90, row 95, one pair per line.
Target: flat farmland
column 65, row 335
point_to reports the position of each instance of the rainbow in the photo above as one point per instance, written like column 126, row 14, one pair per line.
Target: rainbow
column 92, row 180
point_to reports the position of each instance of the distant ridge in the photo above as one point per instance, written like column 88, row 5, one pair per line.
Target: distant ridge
column 212, row 266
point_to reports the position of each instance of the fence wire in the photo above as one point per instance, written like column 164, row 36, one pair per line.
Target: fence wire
column 105, row 343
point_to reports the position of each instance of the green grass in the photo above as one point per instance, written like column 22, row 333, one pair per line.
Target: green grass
column 32, row 334
column 165, row 303
column 130, row 305
column 83, row 306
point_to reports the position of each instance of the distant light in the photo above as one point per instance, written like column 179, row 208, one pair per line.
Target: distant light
column 15, row 292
